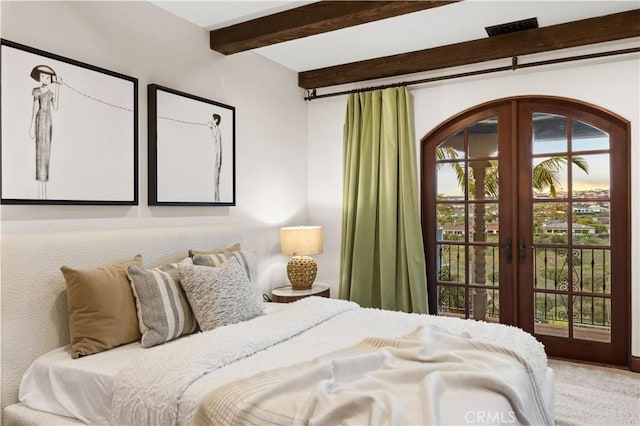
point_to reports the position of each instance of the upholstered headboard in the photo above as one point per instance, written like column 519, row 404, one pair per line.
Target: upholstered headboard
column 34, row 305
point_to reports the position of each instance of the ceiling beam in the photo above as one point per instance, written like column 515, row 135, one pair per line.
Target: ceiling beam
column 315, row 18
column 572, row 34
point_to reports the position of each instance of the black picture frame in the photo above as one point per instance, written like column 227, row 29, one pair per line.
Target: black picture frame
column 80, row 124
column 191, row 150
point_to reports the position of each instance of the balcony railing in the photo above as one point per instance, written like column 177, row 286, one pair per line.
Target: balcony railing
column 581, row 275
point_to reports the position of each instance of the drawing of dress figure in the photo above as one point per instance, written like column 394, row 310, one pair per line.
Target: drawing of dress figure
column 217, row 147
column 44, row 101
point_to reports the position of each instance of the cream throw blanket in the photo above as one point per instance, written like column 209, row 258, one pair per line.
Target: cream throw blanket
column 386, row 381
column 149, row 390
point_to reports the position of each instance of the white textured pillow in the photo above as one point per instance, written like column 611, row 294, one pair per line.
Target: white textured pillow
column 219, row 295
column 163, row 311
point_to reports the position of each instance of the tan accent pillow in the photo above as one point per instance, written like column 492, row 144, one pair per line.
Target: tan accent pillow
column 235, row 247
column 101, row 307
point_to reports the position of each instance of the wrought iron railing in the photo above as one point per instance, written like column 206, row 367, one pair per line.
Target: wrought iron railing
column 581, row 275
column 455, row 293
column 588, row 289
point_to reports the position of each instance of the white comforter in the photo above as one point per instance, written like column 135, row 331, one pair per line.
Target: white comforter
column 148, row 392
column 392, row 381
column 166, row 386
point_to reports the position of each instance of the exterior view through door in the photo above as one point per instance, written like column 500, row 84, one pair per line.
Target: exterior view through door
column 526, row 218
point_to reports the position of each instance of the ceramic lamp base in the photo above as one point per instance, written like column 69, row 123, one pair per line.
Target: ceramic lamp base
column 302, row 271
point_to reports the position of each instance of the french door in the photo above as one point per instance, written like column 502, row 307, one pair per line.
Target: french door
column 526, row 218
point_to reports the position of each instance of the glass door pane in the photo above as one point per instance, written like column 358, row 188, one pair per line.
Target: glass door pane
column 467, row 222
column 570, row 184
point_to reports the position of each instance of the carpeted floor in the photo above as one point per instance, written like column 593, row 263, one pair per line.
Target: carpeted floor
column 592, row 395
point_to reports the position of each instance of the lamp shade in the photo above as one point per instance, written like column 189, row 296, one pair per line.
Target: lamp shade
column 301, row 240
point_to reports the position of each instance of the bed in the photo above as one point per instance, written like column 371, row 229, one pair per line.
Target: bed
column 316, row 360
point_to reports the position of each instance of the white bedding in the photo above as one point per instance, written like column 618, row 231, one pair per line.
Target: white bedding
column 80, row 388
column 91, row 402
column 350, row 328
column 407, row 380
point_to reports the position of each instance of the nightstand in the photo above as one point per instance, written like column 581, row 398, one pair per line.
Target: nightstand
column 287, row 294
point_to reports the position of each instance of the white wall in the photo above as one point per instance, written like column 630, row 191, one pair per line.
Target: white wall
column 612, row 83
column 143, row 41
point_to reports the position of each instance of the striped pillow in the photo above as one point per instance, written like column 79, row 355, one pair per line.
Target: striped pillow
column 246, row 259
column 235, row 247
column 163, row 311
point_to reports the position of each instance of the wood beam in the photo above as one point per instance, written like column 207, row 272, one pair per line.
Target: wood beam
column 572, row 34
column 315, row 18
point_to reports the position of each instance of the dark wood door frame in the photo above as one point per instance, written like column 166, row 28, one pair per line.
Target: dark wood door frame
column 446, row 129
column 618, row 130
column 515, row 129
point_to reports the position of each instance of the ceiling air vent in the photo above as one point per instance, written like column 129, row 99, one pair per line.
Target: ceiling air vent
column 512, row 27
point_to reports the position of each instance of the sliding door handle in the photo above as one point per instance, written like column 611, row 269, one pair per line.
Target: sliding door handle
column 522, row 250
column 508, row 250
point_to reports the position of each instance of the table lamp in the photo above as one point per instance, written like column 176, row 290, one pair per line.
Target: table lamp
column 301, row 242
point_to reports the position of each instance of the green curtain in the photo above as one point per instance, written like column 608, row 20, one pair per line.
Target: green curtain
column 382, row 262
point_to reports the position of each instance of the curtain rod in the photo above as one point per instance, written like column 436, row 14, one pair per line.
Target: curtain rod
column 311, row 94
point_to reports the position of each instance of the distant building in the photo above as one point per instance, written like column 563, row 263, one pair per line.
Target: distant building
column 590, row 209
column 562, row 228
column 458, row 229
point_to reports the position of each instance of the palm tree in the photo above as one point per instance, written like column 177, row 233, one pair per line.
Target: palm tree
column 484, row 183
column 545, row 173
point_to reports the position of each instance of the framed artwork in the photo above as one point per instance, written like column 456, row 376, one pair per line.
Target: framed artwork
column 191, row 150
column 69, row 130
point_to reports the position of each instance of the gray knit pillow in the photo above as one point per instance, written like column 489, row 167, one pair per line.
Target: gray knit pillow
column 163, row 311
column 219, row 295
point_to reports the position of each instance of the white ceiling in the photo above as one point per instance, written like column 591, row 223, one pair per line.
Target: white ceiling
column 439, row 26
